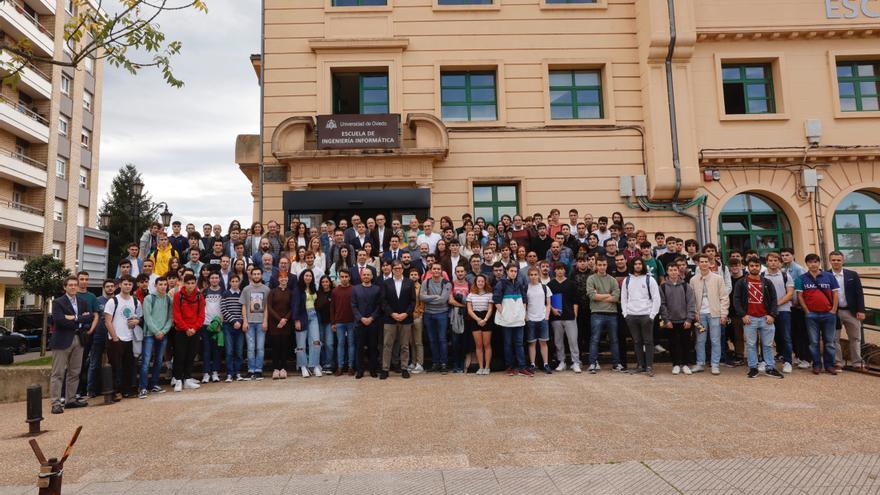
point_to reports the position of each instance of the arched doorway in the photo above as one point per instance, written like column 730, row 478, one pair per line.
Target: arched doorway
column 749, row 221
column 857, row 228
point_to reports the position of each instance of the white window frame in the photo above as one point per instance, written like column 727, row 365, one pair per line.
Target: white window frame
column 85, row 139
column 83, row 177
column 66, row 84
column 89, row 65
column 88, row 99
column 63, row 125
column 61, row 168
column 58, row 210
column 56, row 250
column 69, row 7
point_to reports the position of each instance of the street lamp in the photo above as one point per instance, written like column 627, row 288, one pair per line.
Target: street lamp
column 138, row 187
column 105, row 220
column 166, row 215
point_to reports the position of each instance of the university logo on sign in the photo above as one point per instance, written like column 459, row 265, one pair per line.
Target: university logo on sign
column 358, row 131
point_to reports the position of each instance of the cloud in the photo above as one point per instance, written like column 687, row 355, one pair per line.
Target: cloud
column 183, row 140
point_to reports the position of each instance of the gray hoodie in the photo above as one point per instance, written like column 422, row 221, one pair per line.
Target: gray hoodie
column 677, row 302
column 435, row 295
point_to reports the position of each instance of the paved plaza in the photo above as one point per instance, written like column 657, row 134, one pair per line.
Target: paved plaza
column 565, row 433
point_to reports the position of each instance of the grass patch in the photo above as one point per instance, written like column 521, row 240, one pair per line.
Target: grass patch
column 43, row 361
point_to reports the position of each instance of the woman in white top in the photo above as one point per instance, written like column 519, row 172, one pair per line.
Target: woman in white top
column 470, row 245
column 640, row 303
column 373, row 261
column 298, row 263
column 302, row 235
column 479, row 321
column 315, row 248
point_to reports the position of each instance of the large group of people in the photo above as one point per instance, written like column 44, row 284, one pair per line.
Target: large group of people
column 368, row 296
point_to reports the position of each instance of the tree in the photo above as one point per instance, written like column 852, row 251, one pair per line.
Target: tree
column 44, row 277
column 129, row 38
column 130, row 214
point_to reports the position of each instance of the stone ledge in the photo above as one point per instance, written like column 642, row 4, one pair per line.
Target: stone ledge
column 14, row 381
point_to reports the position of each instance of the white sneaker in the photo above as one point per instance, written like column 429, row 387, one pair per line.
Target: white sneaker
column 576, row 367
column 305, row 372
column 173, row 381
column 686, row 370
column 228, row 378
column 418, row 369
column 804, row 365
column 479, row 372
column 598, row 367
column 698, row 368
column 205, row 378
column 715, row 370
column 593, row 367
column 178, row 385
column 561, row 366
column 659, row 349
column 191, row 384
column 215, row 377
column 317, row 371
column 786, row 368
column 762, row 367
column 617, row 367
column 676, row 370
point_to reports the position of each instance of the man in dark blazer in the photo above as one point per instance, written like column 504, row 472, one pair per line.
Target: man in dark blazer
column 71, row 315
column 359, row 266
column 394, row 251
column 381, row 236
column 398, row 304
column 850, row 310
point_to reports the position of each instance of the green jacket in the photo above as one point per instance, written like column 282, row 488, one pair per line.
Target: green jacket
column 157, row 314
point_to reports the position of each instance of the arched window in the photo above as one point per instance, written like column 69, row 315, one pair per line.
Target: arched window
column 857, row 228
column 749, row 221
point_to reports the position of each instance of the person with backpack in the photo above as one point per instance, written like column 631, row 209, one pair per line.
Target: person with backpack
column 509, row 298
column 603, row 293
column 212, row 329
column 434, row 293
column 122, row 316
column 713, row 303
column 538, row 306
column 678, row 311
column 755, row 299
column 162, row 255
column 784, row 286
column 640, row 303
column 234, row 330
column 189, row 317
column 157, row 323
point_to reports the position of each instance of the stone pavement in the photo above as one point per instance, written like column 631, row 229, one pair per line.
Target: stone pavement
column 473, row 434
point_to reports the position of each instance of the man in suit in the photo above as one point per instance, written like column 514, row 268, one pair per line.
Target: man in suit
column 358, row 268
column 850, row 310
column 398, row 304
column 361, row 238
column 381, row 236
column 393, row 252
column 71, row 315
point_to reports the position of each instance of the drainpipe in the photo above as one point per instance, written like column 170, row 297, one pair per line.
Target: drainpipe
column 262, row 100
column 673, row 125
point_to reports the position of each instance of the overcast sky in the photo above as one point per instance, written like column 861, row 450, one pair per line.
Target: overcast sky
column 183, row 140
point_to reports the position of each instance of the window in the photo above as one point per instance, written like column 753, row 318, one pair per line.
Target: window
column 22, row 148
column 69, row 7
column 468, row 96
column 360, row 93
column 576, row 94
column 87, row 101
column 89, row 65
column 83, row 177
column 857, row 228
column 57, row 249
column 63, row 125
column 61, row 168
column 18, row 192
column 58, row 211
column 86, row 139
column 859, row 86
column 81, row 214
column 748, row 89
column 492, row 201
column 464, row 2
column 66, row 84
column 749, row 221
column 357, row 3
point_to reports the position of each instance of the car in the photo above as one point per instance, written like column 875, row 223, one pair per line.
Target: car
column 13, row 340
column 30, row 324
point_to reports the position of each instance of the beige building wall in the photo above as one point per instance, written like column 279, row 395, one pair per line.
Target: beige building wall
column 564, row 164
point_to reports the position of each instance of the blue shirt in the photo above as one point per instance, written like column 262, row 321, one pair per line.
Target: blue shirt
column 818, row 292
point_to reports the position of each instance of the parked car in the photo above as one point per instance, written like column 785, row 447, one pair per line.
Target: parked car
column 30, row 324
column 13, row 340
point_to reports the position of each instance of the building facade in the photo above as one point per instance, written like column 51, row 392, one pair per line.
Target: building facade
column 746, row 123
column 50, row 129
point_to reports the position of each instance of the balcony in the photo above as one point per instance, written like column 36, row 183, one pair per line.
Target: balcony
column 11, row 264
column 22, row 169
column 18, row 23
column 33, row 80
column 23, row 122
column 19, row 216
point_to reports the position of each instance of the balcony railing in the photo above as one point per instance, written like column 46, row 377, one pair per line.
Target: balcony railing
column 16, row 255
column 24, row 158
column 43, row 29
column 20, row 207
column 21, row 108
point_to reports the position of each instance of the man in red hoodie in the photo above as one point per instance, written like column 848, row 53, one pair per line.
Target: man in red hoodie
column 189, row 315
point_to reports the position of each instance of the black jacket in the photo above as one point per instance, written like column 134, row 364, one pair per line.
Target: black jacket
column 406, row 303
column 741, row 297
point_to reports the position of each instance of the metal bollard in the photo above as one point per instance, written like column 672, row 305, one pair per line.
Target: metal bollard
column 34, row 408
column 107, row 384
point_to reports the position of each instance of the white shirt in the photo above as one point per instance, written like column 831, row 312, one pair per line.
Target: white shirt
column 398, row 284
column 454, row 261
column 120, row 321
column 537, row 301
column 841, row 294
column 603, row 235
column 430, row 240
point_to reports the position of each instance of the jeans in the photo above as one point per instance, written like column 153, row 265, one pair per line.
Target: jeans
column 513, row 345
column 783, row 333
column 153, row 348
column 458, row 349
column 821, row 325
column 234, row 348
column 82, row 388
column 210, row 352
column 99, row 342
column 712, row 327
column 256, row 347
column 435, row 325
column 607, row 322
column 345, row 342
column 768, row 333
column 308, row 353
column 327, row 346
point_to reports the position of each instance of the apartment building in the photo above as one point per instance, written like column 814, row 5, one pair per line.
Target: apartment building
column 748, row 123
column 49, row 134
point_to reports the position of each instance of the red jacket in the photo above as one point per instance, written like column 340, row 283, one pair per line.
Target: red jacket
column 189, row 310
